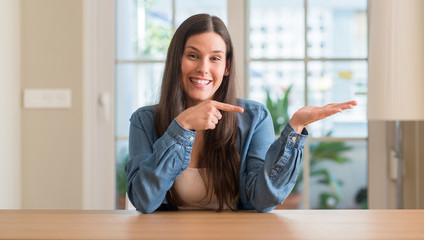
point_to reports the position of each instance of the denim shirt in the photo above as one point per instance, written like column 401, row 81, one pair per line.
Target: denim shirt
column 268, row 167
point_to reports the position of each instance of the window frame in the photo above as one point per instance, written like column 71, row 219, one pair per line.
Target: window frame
column 306, row 59
column 238, row 24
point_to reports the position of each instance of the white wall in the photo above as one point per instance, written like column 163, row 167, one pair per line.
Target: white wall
column 10, row 163
column 42, row 45
column 51, row 144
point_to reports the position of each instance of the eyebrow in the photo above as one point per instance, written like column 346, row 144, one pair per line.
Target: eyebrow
column 196, row 49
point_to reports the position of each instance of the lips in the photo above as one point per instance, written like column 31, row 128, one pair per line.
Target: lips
column 200, row 81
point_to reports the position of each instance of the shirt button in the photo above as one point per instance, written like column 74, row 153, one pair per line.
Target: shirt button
column 191, row 138
column 293, row 138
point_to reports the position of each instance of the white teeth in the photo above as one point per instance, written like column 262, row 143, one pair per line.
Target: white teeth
column 199, row 81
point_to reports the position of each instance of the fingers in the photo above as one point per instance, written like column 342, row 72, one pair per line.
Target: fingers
column 205, row 115
column 309, row 114
column 215, row 115
column 353, row 102
column 228, row 107
column 338, row 107
column 214, row 118
column 333, row 108
column 347, row 105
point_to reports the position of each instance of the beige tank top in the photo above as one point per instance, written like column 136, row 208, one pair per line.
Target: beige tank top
column 191, row 189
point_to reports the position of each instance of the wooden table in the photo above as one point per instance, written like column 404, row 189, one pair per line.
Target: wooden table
column 279, row 224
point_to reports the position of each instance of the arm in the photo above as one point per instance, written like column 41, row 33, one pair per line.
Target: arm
column 153, row 165
column 271, row 180
column 272, row 166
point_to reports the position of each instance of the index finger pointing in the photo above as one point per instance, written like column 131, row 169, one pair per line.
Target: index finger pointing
column 228, row 107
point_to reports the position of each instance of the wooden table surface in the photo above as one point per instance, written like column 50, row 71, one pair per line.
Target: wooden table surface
column 279, row 224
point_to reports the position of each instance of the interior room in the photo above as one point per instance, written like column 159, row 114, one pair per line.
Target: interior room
column 73, row 71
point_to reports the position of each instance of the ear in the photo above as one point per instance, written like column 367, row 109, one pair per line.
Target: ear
column 227, row 68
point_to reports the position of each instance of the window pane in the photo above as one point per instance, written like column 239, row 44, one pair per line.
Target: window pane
column 338, row 174
column 337, row 29
column 276, row 29
column 187, row 8
column 137, row 85
column 276, row 78
column 126, row 23
column 338, row 82
column 144, row 29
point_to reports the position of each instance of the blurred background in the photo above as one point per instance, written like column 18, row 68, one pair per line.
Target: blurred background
column 108, row 55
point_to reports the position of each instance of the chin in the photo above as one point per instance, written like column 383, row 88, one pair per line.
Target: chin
column 197, row 100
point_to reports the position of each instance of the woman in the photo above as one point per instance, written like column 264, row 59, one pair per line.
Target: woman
column 200, row 147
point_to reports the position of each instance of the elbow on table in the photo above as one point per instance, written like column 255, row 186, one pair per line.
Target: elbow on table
column 265, row 210
column 144, row 208
column 141, row 206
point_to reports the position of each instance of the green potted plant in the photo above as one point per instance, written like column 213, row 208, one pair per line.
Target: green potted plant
column 319, row 152
column 121, row 181
column 331, row 152
column 279, row 110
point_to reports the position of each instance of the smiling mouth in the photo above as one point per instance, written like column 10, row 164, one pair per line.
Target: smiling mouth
column 198, row 81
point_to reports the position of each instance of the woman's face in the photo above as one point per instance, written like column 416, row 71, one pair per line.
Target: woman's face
column 203, row 66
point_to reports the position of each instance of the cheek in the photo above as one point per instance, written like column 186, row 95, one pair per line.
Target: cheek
column 186, row 67
column 219, row 72
column 183, row 73
column 183, row 68
column 219, row 77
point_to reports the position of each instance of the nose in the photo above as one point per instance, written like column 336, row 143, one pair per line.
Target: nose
column 203, row 66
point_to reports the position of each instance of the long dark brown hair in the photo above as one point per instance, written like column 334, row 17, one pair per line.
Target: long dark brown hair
column 220, row 158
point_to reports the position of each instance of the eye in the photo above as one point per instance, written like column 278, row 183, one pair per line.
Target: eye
column 216, row 59
column 192, row 56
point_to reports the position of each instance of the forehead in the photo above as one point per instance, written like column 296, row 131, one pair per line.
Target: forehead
column 209, row 41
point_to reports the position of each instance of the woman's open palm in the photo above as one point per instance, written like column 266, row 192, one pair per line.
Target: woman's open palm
column 310, row 114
